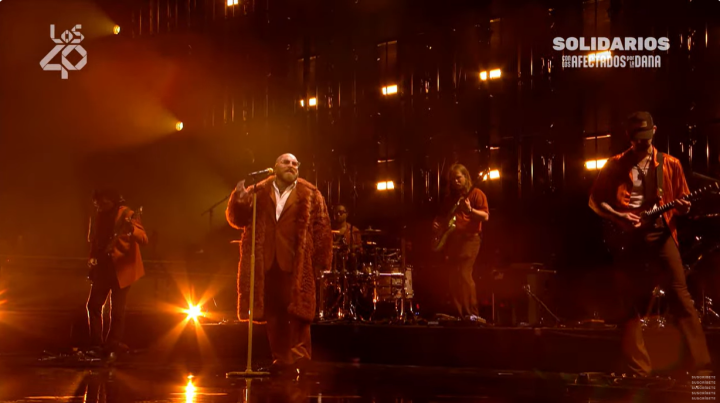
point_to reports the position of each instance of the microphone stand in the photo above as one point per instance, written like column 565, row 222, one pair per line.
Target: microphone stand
column 248, row 371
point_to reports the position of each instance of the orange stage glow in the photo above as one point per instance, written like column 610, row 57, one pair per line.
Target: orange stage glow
column 116, row 29
column 190, row 390
column 179, row 126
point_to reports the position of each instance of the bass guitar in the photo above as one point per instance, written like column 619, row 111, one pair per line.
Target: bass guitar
column 443, row 233
column 619, row 237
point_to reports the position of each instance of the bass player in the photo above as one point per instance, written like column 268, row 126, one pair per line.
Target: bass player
column 468, row 206
column 629, row 182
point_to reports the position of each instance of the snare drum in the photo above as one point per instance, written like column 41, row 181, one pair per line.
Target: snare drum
column 391, row 282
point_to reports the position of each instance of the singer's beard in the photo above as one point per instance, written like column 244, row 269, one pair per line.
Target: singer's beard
column 288, row 177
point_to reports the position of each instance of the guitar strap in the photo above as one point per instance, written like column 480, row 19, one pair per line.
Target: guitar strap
column 659, row 174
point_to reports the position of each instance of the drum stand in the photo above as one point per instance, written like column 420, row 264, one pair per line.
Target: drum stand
column 659, row 321
column 707, row 313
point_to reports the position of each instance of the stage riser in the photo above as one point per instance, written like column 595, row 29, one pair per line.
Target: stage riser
column 564, row 350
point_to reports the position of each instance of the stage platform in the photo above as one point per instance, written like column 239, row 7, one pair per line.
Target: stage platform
column 174, row 338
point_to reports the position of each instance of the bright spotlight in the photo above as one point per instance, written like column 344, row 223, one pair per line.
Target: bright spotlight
column 179, row 126
column 387, row 185
column 495, row 73
column 595, row 164
column 116, row 29
column 190, row 389
column 232, row 3
column 483, row 75
column 193, row 312
column 492, row 174
column 390, row 89
column 312, row 102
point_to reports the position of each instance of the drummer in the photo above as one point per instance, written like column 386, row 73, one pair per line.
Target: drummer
column 344, row 233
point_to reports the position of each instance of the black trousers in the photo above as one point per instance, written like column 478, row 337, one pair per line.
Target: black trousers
column 655, row 260
column 105, row 282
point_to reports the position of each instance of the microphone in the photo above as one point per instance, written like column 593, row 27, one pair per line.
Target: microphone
column 268, row 171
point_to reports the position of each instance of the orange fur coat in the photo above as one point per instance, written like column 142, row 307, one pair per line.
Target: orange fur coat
column 300, row 241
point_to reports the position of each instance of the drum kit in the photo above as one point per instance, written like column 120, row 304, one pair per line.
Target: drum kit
column 367, row 283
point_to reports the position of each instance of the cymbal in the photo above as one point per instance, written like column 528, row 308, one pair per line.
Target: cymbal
column 371, row 231
column 335, row 231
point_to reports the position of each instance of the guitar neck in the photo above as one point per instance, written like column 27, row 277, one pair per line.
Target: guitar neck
column 665, row 207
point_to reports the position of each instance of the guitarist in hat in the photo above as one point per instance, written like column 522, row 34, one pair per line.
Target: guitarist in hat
column 467, row 207
column 633, row 181
column 115, row 236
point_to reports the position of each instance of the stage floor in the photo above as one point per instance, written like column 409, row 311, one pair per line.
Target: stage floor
column 141, row 379
column 172, row 338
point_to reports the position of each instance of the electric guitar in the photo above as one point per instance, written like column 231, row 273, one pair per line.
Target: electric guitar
column 119, row 231
column 619, row 237
column 443, row 233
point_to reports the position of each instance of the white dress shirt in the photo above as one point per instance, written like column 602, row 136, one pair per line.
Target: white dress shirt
column 281, row 199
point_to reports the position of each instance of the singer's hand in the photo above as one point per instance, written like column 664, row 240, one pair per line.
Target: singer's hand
column 240, row 188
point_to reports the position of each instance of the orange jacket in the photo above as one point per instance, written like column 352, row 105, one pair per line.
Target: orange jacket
column 300, row 241
column 614, row 184
column 125, row 253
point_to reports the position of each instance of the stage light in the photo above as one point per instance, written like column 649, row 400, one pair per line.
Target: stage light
column 492, row 174
column 598, row 56
column 312, row 102
column 232, row 3
column 190, row 390
column 387, row 185
column 595, row 164
column 179, row 126
column 483, row 75
column 116, row 29
column 389, row 90
column 302, row 103
column 604, row 136
column 495, row 73
column 193, row 312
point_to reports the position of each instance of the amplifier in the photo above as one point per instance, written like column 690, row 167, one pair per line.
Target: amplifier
column 511, row 303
